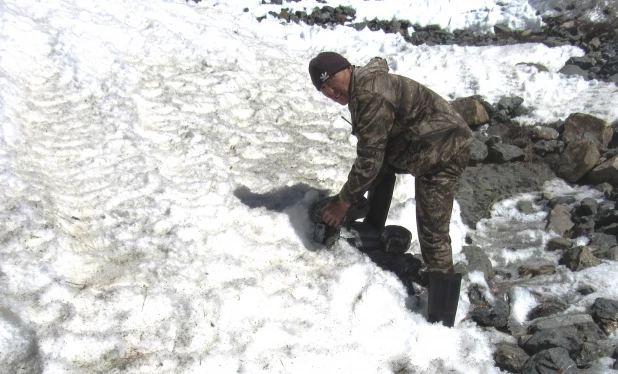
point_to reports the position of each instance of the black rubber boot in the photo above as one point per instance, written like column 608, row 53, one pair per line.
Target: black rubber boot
column 443, row 297
column 380, row 201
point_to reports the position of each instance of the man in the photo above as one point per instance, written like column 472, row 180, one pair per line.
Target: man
column 401, row 127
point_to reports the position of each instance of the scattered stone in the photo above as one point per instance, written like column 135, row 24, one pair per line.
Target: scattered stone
column 589, row 352
column 526, row 207
column 580, row 126
column 608, row 254
column 543, row 147
column 478, row 261
column 534, row 272
column 510, row 103
column 558, row 244
column 561, row 200
column 478, row 152
column 559, row 220
column 489, row 312
column 605, row 314
column 579, row 258
column 472, row 111
column 550, row 361
column 607, row 172
column 510, row 357
column 574, row 70
column 539, row 67
column 587, row 207
column 586, row 290
column 584, row 324
column 602, row 241
column 577, row 159
column 545, row 133
column 565, row 337
column 546, row 309
column 503, row 153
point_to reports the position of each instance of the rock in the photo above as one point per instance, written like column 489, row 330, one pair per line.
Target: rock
column 550, row 361
column 577, row 159
column 558, row 244
column 608, row 254
column 587, row 207
column 545, row 133
column 478, row 152
column 579, row 126
column 488, row 312
column 589, row 352
column 534, row 272
column 583, row 323
column 478, row 261
column 572, row 70
column 607, row 172
column 579, row 258
column 526, row 207
column 482, row 185
column 584, row 227
column 561, row 200
column 539, row 67
column 546, row 309
column 585, row 290
column 595, row 42
column 605, row 314
column 565, row 337
column 602, row 241
column 510, row 357
column 472, row 111
column 510, row 103
column 606, row 218
column 501, row 29
column 583, row 62
column 503, row 153
column 559, row 220
column 543, row 147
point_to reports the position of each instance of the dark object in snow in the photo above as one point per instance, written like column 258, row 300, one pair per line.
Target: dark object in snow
column 489, row 312
column 605, row 314
column 443, row 297
column 395, row 239
column 579, row 258
column 550, row 361
column 546, row 309
column 565, row 337
column 510, row 357
column 558, row 244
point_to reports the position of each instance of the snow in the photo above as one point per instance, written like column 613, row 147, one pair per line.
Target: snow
column 157, row 160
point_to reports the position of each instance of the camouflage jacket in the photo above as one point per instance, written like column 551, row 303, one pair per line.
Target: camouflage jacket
column 400, row 125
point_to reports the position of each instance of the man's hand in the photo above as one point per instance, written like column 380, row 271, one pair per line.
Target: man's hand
column 334, row 212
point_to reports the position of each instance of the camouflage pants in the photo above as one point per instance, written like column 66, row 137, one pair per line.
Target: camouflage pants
column 435, row 193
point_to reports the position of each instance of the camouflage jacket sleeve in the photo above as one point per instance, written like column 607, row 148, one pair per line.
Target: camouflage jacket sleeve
column 372, row 118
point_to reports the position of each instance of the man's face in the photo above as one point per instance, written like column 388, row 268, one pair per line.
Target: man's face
column 336, row 87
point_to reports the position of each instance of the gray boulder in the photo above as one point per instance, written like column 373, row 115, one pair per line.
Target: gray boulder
column 579, row 258
column 510, row 103
column 510, row 357
column 571, row 70
column 543, row 147
column 546, row 309
column 557, row 244
column 577, row 159
column 585, row 325
column 478, row 152
column 559, row 220
column 580, row 126
column 502, row 153
column 472, row 111
column 605, row 314
column 486, row 312
column 550, row 361
column 565, row 337
column 607, row 172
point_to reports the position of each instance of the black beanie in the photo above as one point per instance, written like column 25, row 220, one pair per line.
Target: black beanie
column 324, row 66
